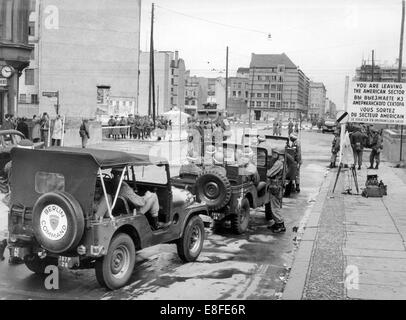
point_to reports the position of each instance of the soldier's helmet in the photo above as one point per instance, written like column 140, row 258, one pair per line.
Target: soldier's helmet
column 293, row 136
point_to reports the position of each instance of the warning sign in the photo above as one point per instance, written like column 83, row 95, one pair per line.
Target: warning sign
column 377, row 102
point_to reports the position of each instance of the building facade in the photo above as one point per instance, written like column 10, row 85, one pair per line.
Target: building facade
column 277, row 87
column 238, row 95
column 317, row 100
column 15, row 50
column 86, row 51
column 170, row 82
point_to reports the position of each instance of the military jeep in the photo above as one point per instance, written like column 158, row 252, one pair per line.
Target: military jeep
column 227, row 190
column 52, row 215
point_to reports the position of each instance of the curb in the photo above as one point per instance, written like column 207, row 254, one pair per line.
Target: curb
column 307, row 234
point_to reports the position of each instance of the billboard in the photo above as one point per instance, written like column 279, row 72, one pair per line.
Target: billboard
column 377, row 102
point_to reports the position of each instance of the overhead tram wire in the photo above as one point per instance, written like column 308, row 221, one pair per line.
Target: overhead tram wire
column 214, row 22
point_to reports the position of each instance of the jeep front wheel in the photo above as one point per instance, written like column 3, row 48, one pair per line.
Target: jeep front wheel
column 191, row 244
column 240, row 220
column 38, row 265
column 114, row 270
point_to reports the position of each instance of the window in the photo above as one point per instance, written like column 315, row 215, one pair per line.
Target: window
column 272, row 104
column 252, row 95
column 48, row 182
column 186, row 102
column 246, row 94
column 23, row 98
column 273, row 95
column 292, row 105
column 252, row 103
column 234, row 93
column 193, row 102
column 258, row 103
column 239, row 94
column 278, row 104
column 273, row 87
column 34, row 99
column 172, row 81
column 29, row 77
column 266, row 86
column 266, row 95
column 286, row 104
column 151, row 174
column 103, row 94
column 259, row 95
column 31, row 29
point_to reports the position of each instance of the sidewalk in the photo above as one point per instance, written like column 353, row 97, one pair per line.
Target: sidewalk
column 353, row 247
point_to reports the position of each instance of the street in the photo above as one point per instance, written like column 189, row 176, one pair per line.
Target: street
column 251, row 266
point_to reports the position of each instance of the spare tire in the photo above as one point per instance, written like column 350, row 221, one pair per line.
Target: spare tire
column 58, row 222
column 213, row 188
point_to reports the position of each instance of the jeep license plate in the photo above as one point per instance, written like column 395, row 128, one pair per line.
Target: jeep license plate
column 68, row 262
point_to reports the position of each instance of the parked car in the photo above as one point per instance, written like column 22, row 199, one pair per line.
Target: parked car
column 329, row 125
column 8, row 140
column 52, row 218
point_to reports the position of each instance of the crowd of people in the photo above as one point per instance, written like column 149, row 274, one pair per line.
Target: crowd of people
column 137, row 127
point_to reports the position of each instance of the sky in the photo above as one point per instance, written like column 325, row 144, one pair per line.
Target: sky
column 326, row 39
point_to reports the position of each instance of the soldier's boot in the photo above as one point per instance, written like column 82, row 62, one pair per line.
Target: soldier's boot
column 278, row 228
column 377, row 166
column 297, row 188
column 371, row 166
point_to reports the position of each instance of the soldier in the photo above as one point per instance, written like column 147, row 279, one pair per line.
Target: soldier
column 298, row 158
column 275, row 174
column 123, row 130
column 116, row 129
column 377, row 146
column 335, row 148
column 358, row 143
column 296, row 127
column 130, row 123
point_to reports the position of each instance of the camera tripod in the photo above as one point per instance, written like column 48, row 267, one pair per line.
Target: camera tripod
column 353, row 174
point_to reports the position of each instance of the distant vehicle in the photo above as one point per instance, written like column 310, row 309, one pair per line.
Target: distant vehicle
column 329, row 125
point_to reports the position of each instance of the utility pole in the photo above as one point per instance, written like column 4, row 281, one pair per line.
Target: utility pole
column 151, row 96
column 400, row 70
column 226, row 107
column 252, row 89
column 373, row 66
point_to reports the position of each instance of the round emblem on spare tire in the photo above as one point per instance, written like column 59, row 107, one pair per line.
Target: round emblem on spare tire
column 54, row 223
column 58, row 222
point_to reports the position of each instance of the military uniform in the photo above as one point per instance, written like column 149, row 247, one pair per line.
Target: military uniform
column 335, row 148
column 275, row 176
column 298, row 158
column 358, row 142
column 377, row 146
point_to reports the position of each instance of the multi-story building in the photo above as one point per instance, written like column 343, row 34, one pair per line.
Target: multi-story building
column 85, row 51
column 317, row 100
column 15, row 50
column 381, row 73
column 331, row 109
column 170, row 76
column 278, row 88
column 238, row 95
column 193, row 94
column 243, row 73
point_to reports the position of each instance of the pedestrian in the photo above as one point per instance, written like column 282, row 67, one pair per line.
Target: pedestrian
column 111, row 124
column 335, row 148
column 275, row 127
column 376, row 146
column 45, row 125
column 57, row 132
column 296, row 127
column 280, row 128
column 290, row 127
column 358, row 143
column 84, row 132
column 23, row 127
column 7, row 124
column 36, row 130
column 298, row 158
column 275, row 175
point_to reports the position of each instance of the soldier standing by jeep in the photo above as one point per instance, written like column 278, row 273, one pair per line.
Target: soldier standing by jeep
column 298, row 158
column 276, row 192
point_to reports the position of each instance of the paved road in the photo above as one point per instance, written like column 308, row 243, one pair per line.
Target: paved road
column 250, row 266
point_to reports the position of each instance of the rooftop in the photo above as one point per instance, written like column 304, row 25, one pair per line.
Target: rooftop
column 271, row 60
